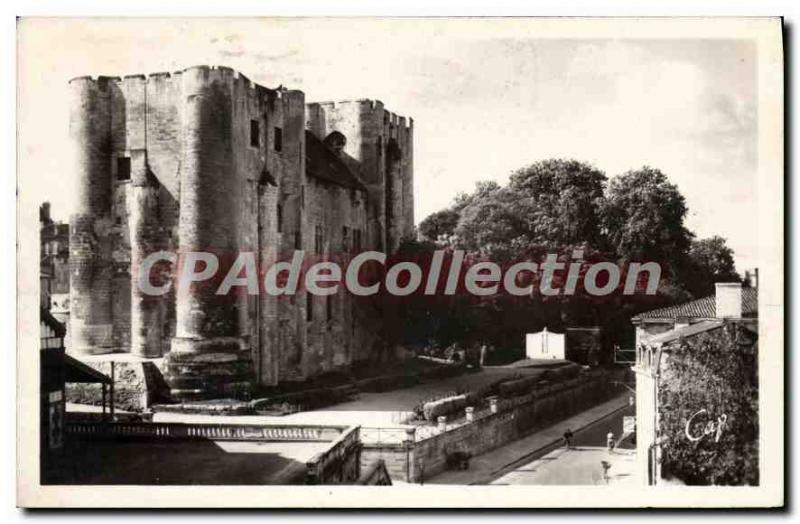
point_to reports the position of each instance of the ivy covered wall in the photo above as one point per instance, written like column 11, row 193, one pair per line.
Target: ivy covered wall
column 708, row 401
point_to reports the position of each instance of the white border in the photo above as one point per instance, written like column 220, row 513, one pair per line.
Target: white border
column 770, row 219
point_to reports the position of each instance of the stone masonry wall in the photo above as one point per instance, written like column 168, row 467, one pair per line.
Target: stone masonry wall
column 512, row 421
column 169, row 162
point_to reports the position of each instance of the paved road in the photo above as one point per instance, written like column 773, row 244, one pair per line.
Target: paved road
column 583, row 463
column 489, row 466
column 595, row 435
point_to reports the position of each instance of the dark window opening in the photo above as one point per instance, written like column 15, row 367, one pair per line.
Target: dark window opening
column 280, row 218
column 123, row 168
column 297, row 240
column 318, row 240
column 357, row 240
column 278, row 139
column 380, row 146
column 345, row 239
column 255, row 133
column 309, row 308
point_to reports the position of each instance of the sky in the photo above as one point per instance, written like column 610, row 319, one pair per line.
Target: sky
column 484, row 102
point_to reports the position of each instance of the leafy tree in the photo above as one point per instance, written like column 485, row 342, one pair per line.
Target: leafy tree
column 643, row 219
column 557, row 206
column 561, row 200
column 714, row 371
column 438, row 225
column 710, row 261
column 552, row 204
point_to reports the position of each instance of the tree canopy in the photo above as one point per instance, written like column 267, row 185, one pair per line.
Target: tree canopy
column 710, row 261
column 558, row 205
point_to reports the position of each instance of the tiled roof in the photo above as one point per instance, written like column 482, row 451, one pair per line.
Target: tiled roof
column 687, row 331
column 705, row 307
column 324, row 164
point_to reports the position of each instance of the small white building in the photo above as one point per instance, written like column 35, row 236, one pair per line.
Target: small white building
column 545, row 345
column 656, row 333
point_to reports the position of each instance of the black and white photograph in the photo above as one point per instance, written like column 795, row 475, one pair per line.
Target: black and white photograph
column 539, row 259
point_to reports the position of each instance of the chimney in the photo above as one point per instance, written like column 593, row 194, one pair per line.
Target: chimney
column 44, row 213
column 729, row 300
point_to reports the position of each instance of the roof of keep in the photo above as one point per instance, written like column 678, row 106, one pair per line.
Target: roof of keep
column 324, row 164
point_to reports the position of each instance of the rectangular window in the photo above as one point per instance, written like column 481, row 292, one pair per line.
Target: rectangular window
column 123, row 168
column 319, row 240
column 357, row 240
column 278, row 139
column 297, row 240
column 309, row 307
column 255, row 133
column 280, row 218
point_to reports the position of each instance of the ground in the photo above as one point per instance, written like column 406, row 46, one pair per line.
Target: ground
column 386, row 410
column 575, row 466
column 590, row 428
column 582, row 463
column 211, row 462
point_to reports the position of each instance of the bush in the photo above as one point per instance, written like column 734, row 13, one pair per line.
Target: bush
column 445, row 406
column 520, row 386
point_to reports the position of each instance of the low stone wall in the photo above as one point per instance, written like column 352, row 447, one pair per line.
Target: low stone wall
column 394, row 457
column 340, row 463
column 135, row 385
column 509, row 420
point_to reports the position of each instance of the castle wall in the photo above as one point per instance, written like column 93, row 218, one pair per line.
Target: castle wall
column 335, row 336
column 206, row 160
column 382, row 143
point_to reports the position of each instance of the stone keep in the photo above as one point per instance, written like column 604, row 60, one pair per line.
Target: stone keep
column 204, row 159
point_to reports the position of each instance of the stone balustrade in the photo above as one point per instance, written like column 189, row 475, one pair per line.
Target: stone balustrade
column 168, row 430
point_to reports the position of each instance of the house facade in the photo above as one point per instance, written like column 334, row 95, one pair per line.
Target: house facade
column 687, row 394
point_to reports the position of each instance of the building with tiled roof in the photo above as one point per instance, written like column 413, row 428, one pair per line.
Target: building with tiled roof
column 731, row 300
column 702, row 308
column 659, row 334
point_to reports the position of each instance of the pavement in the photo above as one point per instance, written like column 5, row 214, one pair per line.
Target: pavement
column 575, row 466
column 486, row 468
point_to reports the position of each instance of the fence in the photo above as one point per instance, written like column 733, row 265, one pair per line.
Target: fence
column 370, row 435
column 625, row 357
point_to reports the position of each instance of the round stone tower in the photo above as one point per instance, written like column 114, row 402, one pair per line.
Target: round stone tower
column 208, row 355
column 90, row 325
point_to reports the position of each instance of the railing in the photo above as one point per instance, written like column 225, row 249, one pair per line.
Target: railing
column 384, row 435
column 174, row 430
column 624, row 356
